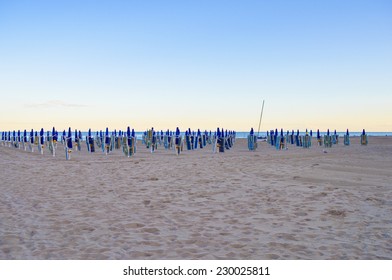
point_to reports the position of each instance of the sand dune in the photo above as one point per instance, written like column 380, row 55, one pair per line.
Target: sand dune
column 268, row 204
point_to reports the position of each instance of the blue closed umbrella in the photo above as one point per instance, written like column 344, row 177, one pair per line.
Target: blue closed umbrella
column 177, row 141
column 107, row 138
column 54, row 135
column 347, row 138
column 69, row 139
column 275, row 136
column 129, row 140
column 32, row 136
column 41, row 134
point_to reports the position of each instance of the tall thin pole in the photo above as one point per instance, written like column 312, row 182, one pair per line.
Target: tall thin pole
column 261, row 116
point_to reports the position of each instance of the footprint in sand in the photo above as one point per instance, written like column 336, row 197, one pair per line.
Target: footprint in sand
column 134, row 225
column 151, row 230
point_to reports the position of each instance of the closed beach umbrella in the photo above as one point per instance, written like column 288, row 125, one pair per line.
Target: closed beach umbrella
column 328, row 132
column 347, row 138
column 107, row 138
column 363, row 132
column 177, row 140
column 25, row 136
column 32, row 136
column 54, row 134
column 107, row 141
column 69, row 139
column 129, row 140
column 318, row 134
column 41, row 134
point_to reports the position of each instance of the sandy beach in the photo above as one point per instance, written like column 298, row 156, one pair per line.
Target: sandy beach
column 268, row 204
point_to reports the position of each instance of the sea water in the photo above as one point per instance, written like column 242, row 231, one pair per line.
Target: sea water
column 244, row 134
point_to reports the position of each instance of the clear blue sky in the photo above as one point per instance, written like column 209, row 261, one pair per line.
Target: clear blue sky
column 198, row 64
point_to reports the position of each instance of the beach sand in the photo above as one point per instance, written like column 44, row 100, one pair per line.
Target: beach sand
column 291, row 204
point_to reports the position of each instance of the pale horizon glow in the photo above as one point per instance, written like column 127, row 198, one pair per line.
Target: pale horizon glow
column 198, row 64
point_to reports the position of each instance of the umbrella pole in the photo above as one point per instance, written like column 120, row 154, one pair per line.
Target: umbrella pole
column 261, row 116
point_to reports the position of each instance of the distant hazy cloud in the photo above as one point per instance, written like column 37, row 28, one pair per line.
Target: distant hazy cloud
column 54, row 103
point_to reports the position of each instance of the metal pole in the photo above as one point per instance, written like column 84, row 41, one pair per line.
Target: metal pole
column 261, row 116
